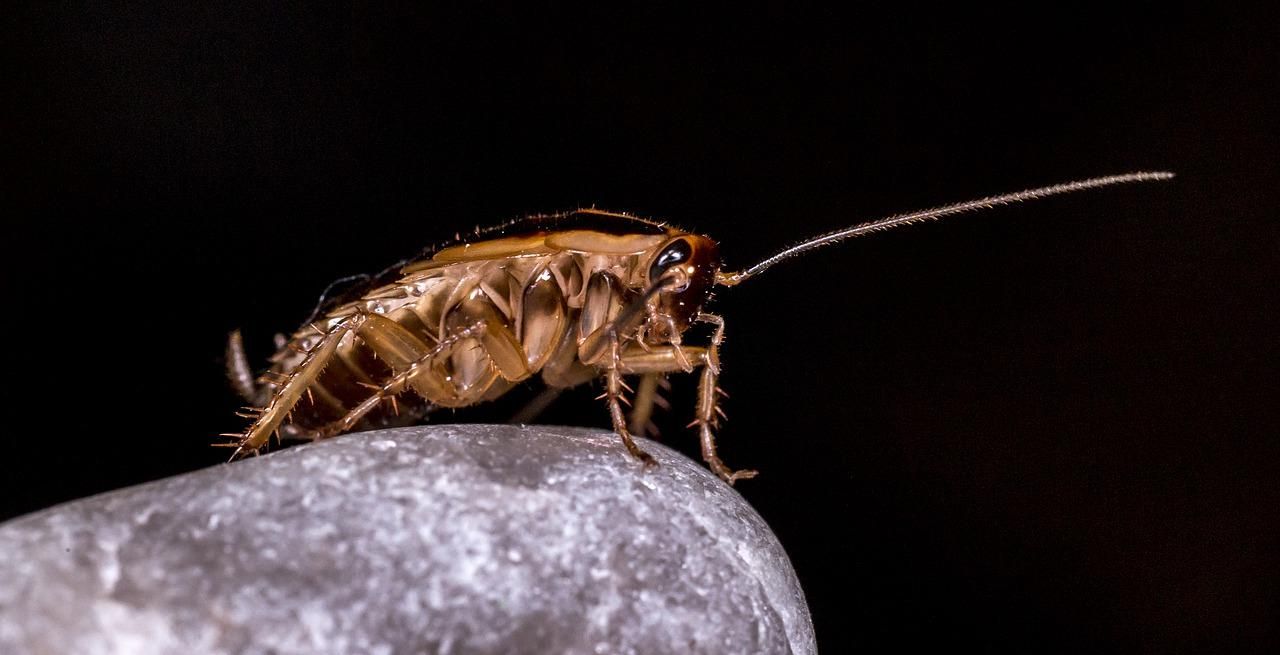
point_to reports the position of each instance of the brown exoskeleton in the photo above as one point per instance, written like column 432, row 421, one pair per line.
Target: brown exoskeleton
column 574, row 297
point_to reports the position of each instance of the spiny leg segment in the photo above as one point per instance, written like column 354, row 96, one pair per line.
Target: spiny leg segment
column 297, row 382
column 614, row 388
column 708, row 404
column 670, row 359
column 397, row 383
column 385, row 338
column 647, row 395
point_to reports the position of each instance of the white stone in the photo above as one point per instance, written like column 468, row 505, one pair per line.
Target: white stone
column 457, row 538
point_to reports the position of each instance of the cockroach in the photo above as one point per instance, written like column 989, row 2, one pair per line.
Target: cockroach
column 573, row 297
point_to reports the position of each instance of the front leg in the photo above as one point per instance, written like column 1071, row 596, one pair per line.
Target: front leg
column 709, row 407
column 670, row 359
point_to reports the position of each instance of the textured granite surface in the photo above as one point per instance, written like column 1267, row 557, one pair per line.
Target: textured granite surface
column 450, row 539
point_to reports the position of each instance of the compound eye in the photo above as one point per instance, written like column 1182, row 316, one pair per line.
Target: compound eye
column 676, row 252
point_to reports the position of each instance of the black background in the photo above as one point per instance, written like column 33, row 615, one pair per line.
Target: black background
column 1047, row 427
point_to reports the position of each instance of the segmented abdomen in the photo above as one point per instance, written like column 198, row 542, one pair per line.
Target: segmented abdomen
column 533, row 310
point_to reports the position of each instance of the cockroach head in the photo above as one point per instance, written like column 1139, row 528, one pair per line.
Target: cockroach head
column 684, row 269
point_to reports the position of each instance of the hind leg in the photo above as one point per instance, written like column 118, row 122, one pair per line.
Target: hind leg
column 415, row 374
column 267, row 420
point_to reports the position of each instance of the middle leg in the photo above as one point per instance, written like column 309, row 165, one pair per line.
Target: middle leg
column 647, row 396
column 614, row 388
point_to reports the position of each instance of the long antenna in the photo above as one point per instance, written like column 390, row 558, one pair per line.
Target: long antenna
column 898, row 220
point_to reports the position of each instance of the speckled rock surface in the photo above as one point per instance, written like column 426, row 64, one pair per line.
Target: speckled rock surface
column 451, row 539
